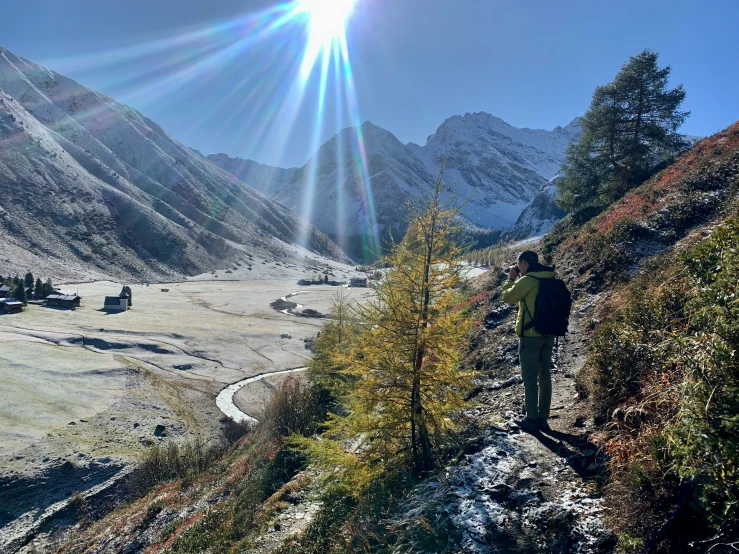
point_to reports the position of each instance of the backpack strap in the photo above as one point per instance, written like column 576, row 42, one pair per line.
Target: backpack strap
column 530, row 324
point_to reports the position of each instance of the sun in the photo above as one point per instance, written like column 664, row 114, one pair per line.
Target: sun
column 326, row 25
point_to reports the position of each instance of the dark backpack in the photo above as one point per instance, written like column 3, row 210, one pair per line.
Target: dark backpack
column 552, row 308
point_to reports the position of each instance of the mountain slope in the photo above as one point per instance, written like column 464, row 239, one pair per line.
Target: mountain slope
column 499, row 167
column 88, row 181
column 269, row 178
column 539, row 216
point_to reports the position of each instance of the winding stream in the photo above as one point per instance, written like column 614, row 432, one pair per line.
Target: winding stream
column 225, row 398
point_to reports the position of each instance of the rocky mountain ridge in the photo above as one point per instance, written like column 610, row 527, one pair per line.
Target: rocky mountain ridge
column 501, row 169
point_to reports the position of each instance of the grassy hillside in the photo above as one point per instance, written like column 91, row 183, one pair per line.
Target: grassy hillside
column 662, row 377
column 608, row 248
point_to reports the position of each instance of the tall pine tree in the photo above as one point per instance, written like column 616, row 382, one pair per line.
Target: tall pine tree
column 20, row 293
column 48, row 287
column 628, row 131
column 127, row 290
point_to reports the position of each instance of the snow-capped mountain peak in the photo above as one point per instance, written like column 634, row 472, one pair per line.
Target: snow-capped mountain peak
column 500, row 167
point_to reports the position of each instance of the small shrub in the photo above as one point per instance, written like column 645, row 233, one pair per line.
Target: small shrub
column 169, row 460
column 234, row 430
column 79, row 503
column 152, row 512
column 629, row 544
column 295, row 408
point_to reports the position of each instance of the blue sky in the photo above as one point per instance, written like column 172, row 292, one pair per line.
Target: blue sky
column 198, row 68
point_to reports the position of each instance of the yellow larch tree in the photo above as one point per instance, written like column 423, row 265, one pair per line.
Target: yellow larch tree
column 405, row 362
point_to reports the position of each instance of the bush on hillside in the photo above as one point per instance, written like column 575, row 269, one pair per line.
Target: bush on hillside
column 704, row 439
column 664, row 373
column 295, row 408
column 168, row 461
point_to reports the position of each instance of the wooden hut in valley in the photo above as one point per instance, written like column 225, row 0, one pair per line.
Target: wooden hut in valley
column 10, row 306
column 116, row 303
column 62, row 300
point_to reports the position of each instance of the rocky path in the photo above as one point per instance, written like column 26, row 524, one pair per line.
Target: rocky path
column 514, row 492
column 518, row 492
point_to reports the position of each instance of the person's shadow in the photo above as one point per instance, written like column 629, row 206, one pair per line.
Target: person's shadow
column 575, row 449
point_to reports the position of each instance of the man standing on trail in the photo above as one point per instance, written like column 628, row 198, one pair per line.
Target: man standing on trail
column 534, row 349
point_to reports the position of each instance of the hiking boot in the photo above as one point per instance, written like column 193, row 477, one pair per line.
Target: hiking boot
column 527, row 424
column 544, row 425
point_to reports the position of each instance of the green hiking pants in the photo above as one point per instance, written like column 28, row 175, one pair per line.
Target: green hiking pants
column 535, row 354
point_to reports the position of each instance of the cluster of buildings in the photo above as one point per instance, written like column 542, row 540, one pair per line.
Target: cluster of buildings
column 358, row 282
column 5, row 291
column 58, row 299
column 8, row 304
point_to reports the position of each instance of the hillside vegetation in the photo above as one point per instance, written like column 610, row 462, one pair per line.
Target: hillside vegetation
column 700, row 185
column 662, row 373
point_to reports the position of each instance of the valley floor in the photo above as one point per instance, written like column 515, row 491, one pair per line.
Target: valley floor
column 85, row 392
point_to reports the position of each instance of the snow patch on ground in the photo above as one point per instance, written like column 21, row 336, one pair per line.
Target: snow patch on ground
column 490, row 500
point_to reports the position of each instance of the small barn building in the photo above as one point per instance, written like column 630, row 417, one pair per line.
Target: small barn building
column 4, row 291
column 10, row 306
column 358, row 282
column 62, row 300
column 116, row 303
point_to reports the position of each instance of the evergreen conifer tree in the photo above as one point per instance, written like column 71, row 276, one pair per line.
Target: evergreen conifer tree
column 127, row 290
column 28, row 279
column 38, row 290
column 48, row 287
column 20, row 293
column 628, row 131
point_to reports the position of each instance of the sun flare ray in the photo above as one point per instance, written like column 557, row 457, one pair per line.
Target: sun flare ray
column 308, row 68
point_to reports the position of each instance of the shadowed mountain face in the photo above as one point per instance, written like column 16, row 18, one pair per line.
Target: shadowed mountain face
column 500, row 168
column 539, row 216
column 90, row 182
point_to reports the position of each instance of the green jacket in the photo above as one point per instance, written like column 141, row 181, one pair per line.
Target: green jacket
column 525, row 289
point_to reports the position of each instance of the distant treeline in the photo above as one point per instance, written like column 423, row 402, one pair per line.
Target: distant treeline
column 18, row 286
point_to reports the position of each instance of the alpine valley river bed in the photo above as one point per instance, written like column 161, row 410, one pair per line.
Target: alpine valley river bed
column 85, row 392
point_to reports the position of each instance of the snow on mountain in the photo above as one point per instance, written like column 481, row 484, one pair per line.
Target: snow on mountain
column 504, row 166
column 500, row 167
column 269, row 178
column 540, row 216
column 88, row 181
